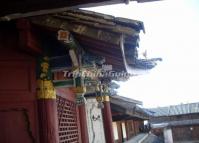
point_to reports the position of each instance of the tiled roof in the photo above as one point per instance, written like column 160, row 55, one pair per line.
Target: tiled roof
column 115, row 39
column 131, row 106
column 126, row 99
column 173, row 110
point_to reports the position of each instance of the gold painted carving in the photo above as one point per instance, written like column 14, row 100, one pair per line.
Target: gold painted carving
column 45, row 89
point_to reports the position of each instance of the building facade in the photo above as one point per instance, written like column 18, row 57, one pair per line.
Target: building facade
column 45, row 95
column 176, row 123
column 128, row 118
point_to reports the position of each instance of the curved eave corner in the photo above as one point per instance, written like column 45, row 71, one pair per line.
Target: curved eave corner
column 138, row 66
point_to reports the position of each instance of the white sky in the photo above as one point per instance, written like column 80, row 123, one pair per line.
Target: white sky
column 172, row 32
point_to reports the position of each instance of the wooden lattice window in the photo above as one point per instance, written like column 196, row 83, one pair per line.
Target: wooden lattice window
column 68, row 125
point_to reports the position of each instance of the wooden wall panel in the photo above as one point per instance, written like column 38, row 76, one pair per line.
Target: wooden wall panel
column 19, row 132
column 136, row 126
column 184, row 133
column 195, row 132
column 18, row 106
column 130, row 129
column 18, row 123
column 17, row 78
column 119, row 129
column 18, row 110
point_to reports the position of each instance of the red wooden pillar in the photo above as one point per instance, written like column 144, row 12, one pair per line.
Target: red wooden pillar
column 107, row 116
column 48, row 121
column 47, row 106
column 83, row 123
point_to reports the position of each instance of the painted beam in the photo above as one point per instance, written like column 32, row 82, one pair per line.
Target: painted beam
column 117, row 28
column 64, row 83
column 90, row 32
column 70, row 83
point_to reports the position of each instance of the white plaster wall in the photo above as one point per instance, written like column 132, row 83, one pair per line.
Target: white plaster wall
column 115, row 131
column 95, row 128
column 123, row 130
column 168, row 137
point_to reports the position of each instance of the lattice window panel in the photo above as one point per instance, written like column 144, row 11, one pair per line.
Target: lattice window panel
column 67, row 116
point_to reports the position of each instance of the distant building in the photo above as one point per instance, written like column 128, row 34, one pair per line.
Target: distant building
column 128, row 118
column 176, row 123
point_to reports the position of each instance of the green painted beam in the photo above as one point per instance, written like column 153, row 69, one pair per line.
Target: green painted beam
column 63, row 83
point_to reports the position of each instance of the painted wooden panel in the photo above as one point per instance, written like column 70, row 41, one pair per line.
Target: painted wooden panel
column 18, row 109
column 17, row 68
column 94, row 122
column 19, row 133
column 17, row 123
column 15, row 76
column 18, row 81
column 18, row 106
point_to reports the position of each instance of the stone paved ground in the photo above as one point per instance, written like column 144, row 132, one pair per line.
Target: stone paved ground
column 136, row 138
column 153, row 139
column 150, row 139
column 187, row 142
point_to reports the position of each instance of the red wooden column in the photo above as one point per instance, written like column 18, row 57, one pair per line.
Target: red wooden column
column 83, row 123
column 48, row 122
column 47, row 107
column 107, row 116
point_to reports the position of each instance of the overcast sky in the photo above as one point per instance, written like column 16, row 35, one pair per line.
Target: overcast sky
column 172, row 32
